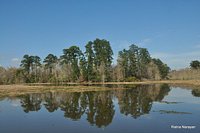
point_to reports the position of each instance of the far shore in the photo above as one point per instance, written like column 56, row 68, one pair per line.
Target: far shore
column 20, row 89
column 92, row 84
column 186, row 82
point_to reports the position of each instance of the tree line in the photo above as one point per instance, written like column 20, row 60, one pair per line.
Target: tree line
column 95, row 64
column 195, row 64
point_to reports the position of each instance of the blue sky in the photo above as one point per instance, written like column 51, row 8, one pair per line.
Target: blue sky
column 169, row 29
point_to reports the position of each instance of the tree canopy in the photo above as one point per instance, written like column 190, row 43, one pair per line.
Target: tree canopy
column 195, row 64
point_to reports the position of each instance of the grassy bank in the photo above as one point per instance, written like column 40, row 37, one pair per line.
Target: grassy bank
column 188, row 82
column 14, row 90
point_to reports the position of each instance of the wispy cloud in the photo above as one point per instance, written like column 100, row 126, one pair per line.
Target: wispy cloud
column 124, row 44
column 144, row 42
column 14, row 59
column 15, row 62
column 176, row 60
column 15, row 103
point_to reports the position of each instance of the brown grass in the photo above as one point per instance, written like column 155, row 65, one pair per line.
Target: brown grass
column 14, row 90
column 185, row 74
column 189, row 82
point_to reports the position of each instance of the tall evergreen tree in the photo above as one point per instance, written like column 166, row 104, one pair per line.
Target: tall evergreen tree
column 133, row 60
column 123, row 62
column 90, row 61
column 72, row 56
column 143, row 61
column 36, row 66
column 83, row 68
column 26, row 63
column 103, row 58
column 163, row 68
column 30, row 65
column 50, row 62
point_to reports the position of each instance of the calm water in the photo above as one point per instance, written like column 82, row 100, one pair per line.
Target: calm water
column 137, row 109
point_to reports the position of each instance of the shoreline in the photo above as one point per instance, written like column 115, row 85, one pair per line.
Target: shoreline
column 20, row 89
column 36, row 85
column 188, row 82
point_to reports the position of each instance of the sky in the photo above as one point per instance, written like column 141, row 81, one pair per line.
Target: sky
column 169, row 29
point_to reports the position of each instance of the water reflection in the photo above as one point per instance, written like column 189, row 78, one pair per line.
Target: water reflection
column 196, row 92
column 31, row 102
column 97, row 106
column 138, row 101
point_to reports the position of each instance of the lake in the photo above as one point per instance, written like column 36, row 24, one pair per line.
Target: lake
column 129, row 109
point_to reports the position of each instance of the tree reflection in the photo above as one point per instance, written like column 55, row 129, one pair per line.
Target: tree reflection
column 196, row 92
column 50, row 102
column 98, row 107
column 31, row 102
column 72, row 106
column 138, row 100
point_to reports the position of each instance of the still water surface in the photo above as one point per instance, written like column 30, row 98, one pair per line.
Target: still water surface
column 137, row 109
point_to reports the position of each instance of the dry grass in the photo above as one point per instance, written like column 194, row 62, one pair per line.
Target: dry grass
column 191, row 82
column 185, row 74
column 14, row 90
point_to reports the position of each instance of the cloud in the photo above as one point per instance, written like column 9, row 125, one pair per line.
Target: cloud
column 160, row 55
column 124, row 44
column 177, row 61
column 119, row 45
column 14, row 59
column 15, row 103
column 15, row 62
column 144, row 42
column 165, row 55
